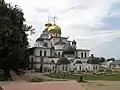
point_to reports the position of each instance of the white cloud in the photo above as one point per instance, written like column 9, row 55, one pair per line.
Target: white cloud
column 75, row 17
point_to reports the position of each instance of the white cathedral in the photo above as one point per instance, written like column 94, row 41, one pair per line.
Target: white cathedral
column 58, row 53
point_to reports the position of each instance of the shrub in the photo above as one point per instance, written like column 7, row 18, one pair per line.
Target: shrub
column 80, row 79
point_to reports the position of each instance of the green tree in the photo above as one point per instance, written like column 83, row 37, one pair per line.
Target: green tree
column 111, row 59
column 12, row 34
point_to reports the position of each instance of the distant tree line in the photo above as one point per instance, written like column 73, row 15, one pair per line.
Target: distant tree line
column 99, row 59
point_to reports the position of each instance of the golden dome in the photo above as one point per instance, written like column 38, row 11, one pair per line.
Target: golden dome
column 54, row 28
column 48, row 24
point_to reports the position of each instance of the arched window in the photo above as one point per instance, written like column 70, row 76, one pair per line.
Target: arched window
column 40, row 53
column 66, row 68
column 32, row 63
column 85, row 55
column 96, row 67
column 80, row 68
column 53, row 67
column 31, row 59
column 88, row 67
column 63, row 68
column 44, row 53
column 59, row 53
column 82, row 55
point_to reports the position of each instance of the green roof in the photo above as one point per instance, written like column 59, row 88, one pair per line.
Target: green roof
column 116, row 62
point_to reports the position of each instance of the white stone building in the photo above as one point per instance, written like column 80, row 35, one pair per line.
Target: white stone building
column 106, row 64
column 57, row 53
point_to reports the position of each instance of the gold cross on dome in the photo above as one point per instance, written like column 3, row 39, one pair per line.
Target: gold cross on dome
column 54, row 18
column 48, row 18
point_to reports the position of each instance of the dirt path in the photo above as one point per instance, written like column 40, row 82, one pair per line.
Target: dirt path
column 16, row 78
column 20, row 84
column 102, row 85
column 63, row 85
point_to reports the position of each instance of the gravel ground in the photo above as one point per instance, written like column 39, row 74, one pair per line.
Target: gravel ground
column 20, row 84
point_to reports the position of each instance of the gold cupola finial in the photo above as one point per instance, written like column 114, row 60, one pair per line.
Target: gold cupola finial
column 48, row 24
column 54, row 18
column 54, row 27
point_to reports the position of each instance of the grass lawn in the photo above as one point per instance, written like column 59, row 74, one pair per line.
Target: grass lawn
column 89, row 77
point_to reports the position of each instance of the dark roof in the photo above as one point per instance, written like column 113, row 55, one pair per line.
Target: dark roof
column 39, row 39
column 74, row 48
column 68, row 49
column 60, row 42
column 58, row 49
column 82, row 50
column 59, row 37
column 43, row 47
column 52, row 62
column 92, row 60
column 63, row 60
column 78, row 62
column 45, row 44
column 46, row 30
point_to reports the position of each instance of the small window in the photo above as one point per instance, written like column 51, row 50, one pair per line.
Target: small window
column 63, row 68
column 80, row 68
column 53, row 67
column 58, row 53
column 40, row 53
column 66, row 67
column 32, row 59
column 85, row 55
column 96, row 67
column 82, row 55
column 44, row 53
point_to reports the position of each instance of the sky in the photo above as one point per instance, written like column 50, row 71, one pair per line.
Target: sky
column 94, row 24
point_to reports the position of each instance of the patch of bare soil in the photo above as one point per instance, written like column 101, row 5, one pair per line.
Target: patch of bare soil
column 102, row 85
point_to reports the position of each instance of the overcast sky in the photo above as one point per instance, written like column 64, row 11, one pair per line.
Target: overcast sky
column 95, row 24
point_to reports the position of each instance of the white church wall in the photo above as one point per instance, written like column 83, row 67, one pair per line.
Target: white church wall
column 38, row 66
column 63, row 68
column 70, row 56
column 79, row 54
column 38, row 59
column 52, row 67
column 31, row 57
column 58, row 34
column 55, row 59
column 64, row 40
column 54, row 40
column 92, row 67
column 48, row 41
column 72, row 66
column 37, row 51
column 79, row 67
column 84, row 60
column 59, row 52
column 85, row 65
column 59, row 46
column 39, row 43
column 87, row 54
column 45, row 59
